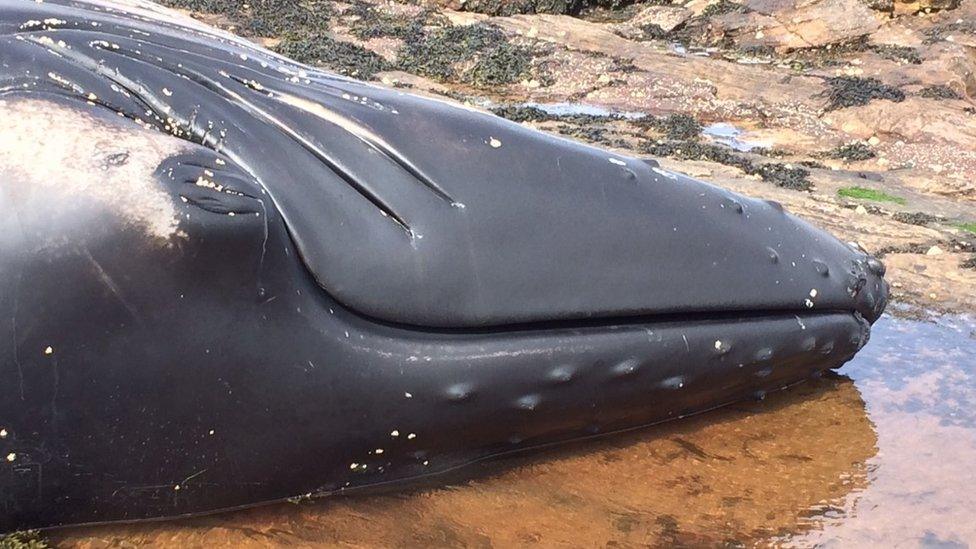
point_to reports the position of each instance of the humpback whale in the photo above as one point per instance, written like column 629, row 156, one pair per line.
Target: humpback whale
column 228, row 279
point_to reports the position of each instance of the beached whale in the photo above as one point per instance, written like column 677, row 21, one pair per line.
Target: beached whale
column 228, row 279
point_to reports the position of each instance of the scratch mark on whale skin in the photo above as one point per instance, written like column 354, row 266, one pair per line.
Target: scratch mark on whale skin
column 110, row 284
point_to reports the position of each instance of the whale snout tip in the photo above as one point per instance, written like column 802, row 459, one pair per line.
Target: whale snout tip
column 871, row 291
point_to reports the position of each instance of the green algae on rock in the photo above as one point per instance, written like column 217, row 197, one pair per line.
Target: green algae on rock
column 864, row 193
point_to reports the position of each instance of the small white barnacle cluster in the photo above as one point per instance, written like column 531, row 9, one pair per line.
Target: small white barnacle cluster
column 47, row 24
column 104, row 44
column 65, row 83
column 809, row 301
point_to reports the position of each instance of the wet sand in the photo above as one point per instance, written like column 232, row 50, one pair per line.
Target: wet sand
column 881, row 454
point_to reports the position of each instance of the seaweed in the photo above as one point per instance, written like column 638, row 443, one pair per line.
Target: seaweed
column 675, row 126
column 500, row 65
column 266, row 17
column 372, row 22
column 781, row 175
column 916, row 248
column 513, row 7
column 436, row 53
column 584, row 133
column 915, row 218
column 941, row 32
column 881, row 5
column 30, row 539
column 343, row 57
column 939, row 91
column 852, row 152
column 528, row 113
column 863, row 193
column 723, row 7
column 558, row 7
column 852, row 91
column 303, row 26
column 813, row 164
column 891, row 52
column 522, row 113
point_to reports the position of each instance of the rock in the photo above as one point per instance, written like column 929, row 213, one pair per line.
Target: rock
column 794, row 24
column 861, row 210
column 934, row 250
column 667, row 18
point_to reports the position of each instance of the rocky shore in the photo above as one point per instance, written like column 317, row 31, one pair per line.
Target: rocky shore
column 857, row 115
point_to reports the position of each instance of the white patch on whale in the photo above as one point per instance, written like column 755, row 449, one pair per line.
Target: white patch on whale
column 56, row 157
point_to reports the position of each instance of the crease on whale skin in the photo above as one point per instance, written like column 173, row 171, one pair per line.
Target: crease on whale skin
column 56, row 158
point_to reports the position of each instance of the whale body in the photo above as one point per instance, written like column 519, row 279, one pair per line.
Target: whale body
column 229, row 279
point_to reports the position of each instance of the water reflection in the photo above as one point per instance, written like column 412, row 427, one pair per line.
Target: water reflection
column 919, row 382
column 801, row 468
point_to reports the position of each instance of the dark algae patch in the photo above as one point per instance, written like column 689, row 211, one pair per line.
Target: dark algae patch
column 723, row 7
column 303, row 27
column 265, row 17
column 371, row 22
column 782, row 175
column 675, row 126
column 939, row 91
column 854, row 91
column 343, row 57
column 852, row 152
column 23, row 540
column 892, row 52
column 513, row 7
column 863, row 193
column 915, row 218
column 478, row 54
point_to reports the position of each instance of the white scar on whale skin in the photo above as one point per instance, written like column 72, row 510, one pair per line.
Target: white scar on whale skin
column 52, row 155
